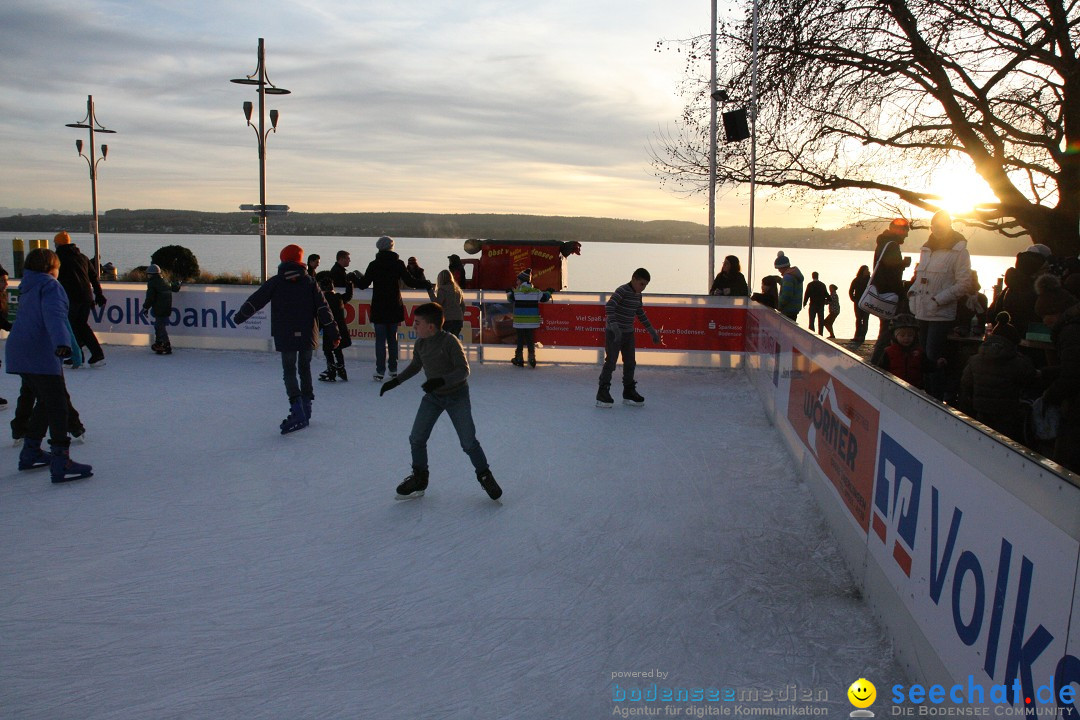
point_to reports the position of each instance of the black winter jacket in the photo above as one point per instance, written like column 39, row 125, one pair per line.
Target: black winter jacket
column 296, row 303
column 79, row 282
column 386, row 272
column 992, row 379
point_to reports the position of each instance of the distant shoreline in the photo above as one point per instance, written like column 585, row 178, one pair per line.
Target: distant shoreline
column 464, row 226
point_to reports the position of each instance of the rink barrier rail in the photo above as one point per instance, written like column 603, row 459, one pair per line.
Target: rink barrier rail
column 965, row 544
column 697, row 331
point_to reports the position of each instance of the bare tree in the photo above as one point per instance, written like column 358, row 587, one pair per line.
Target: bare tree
column 874, row 95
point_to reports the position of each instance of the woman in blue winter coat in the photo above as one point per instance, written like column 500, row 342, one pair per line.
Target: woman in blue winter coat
column 38, row 343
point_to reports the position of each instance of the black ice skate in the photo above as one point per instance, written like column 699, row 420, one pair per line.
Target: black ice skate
column 340, row 370
column 517, row 362
column 329, row 375
column 297, row 419
column 630, row 396
column 487, row 480
column 603, row 397
column 413, row 486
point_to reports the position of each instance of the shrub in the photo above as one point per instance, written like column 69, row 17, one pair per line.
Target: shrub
column 178, row 261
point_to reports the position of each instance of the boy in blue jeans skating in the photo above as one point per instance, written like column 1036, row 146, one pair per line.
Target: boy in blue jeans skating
column 443, row 361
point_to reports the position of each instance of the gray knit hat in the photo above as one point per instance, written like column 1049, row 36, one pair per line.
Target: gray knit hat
column 153, row 270
column 384, row 243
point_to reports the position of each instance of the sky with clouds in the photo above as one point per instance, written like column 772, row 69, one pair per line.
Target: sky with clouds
column 507, row 106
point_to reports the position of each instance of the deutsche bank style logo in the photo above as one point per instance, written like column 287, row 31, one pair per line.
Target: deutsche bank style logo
column 896, row 500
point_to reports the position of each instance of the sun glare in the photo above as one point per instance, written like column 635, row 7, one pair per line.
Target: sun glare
column 960, row 189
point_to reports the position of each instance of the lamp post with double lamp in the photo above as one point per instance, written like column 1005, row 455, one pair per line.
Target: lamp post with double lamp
column 90, row 123
column 266, row 87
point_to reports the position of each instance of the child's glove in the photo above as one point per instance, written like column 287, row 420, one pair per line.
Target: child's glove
column 433, row 384
column 389, row 385
column 63, row 351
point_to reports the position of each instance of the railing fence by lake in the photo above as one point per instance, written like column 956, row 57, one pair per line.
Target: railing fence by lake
column 601, row 267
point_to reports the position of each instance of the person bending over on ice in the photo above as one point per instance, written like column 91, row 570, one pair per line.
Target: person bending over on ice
column 622, row 307
column 296, row 303
column 442, row 358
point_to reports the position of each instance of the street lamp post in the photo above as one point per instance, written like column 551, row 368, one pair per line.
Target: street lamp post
column 259, row 78
column 90, row 122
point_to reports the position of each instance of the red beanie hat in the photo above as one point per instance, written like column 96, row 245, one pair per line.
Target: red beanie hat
column 292, row 253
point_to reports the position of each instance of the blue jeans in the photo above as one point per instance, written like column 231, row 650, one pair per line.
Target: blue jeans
column 293, row 363
column 458, row 406
column 386, row 339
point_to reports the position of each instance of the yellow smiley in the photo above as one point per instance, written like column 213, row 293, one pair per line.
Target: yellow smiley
column 862, row 693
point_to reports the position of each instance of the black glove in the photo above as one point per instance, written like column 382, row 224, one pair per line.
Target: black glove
column 389, row 385
column 63, row 351
column 99, row 298
column 433, row 384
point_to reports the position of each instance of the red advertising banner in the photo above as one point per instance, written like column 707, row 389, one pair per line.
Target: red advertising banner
column 717, row 329
column 358, row 318
column 840, row 428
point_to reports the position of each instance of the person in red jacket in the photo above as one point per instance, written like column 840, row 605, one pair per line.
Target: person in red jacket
column 904, row 357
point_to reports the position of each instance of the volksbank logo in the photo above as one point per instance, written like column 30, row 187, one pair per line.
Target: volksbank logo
column 896, row 500
column 129, row 314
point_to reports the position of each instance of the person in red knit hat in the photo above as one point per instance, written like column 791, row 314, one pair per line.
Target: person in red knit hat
column 296, row 303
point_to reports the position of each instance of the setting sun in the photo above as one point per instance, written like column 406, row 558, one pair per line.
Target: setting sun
column 960, row 189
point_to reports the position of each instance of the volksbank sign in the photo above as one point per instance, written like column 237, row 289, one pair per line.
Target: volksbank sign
column 195, row 313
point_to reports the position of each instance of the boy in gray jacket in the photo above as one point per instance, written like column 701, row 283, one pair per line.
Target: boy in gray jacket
column 443, row 361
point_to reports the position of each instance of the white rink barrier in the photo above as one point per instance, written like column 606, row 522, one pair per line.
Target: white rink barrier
column 698, row 331
column 966, row 546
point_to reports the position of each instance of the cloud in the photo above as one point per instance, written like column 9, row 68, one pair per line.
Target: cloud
column 497, row 106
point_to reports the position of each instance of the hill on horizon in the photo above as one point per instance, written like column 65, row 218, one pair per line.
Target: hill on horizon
column 486, row 225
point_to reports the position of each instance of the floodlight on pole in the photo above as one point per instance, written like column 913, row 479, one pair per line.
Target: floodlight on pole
column 91, row 123
column 260, row 78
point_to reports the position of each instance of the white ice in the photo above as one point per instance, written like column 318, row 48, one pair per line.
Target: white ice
column 213, row 568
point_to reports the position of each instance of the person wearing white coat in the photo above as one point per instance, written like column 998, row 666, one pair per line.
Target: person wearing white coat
column 942, row 277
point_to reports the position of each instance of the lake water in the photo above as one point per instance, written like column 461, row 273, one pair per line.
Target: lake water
column 601, row 267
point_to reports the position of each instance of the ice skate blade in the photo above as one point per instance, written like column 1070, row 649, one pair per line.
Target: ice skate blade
column 66, row 479
column 602, row 404
column 633, row 403
column 410, row 496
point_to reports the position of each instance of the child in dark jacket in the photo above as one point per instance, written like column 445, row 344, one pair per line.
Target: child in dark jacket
column 904, row 357
column 335, row 359
column 296, row 303
column 158, row 303
column 993, row 378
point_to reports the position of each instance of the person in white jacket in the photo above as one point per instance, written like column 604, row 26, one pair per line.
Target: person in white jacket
column 942, row 277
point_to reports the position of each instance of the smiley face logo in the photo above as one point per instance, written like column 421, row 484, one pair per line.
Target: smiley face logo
column 862, row 693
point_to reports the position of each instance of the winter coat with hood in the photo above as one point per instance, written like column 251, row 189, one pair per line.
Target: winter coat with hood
column 296, row 304
column 942, row 277
column 159, row 295
column 76, row 277
column 993, row 378
column 386, row 272
column 41, row 326
column 336, row 302
column 791, row 293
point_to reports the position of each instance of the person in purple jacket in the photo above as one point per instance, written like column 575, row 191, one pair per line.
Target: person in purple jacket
column 36, row 347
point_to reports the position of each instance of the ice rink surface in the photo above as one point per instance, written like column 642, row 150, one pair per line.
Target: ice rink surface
column 213, row 568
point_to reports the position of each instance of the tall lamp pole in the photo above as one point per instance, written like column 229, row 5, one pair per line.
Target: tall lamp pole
column 259, row 78
column 713, row 96
column 90, row 122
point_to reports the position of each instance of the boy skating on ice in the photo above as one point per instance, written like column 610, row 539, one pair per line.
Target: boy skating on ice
column 622, row 307
column 443, row 361
column 297, row 308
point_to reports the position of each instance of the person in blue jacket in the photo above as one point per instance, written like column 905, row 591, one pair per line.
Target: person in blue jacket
column 38, row 343
column 296, row 305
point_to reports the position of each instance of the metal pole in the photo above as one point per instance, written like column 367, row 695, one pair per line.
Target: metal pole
column 712, row 153
column 93, row 183
column 262, row 156
column 753, row 135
